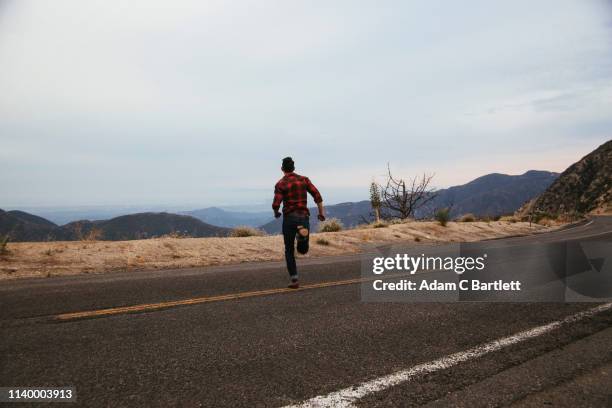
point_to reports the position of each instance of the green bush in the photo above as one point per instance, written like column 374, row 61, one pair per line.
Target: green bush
column 246, row 231
column 442, row 216
column 331, row 225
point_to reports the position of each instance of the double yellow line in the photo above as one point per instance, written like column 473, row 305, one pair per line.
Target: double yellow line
column 195, row 301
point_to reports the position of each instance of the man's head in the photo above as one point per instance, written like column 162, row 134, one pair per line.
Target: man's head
column 288, row 165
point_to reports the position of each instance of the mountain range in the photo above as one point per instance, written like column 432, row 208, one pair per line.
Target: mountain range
column 492, row 194
column 21, row 226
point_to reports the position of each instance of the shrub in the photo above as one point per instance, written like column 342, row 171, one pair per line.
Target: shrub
column 173, row 234
column 442, row 216
column 331, row 225
column 379, row 224
column 394, row 221
column 570, row 216
column 94, row 234
column 4, row 245
column 547, row 222
column 322, row 241
column 540, row 215
column 469, row 217
column 246, row 231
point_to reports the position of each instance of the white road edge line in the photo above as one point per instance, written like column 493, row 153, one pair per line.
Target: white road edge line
column 347, row 396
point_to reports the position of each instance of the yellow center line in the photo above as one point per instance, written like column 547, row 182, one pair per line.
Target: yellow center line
column 207, row 299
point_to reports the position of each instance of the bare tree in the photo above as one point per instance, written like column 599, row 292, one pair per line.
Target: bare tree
column 402, row 198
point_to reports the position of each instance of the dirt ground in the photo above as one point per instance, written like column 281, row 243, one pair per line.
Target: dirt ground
column 45, row 259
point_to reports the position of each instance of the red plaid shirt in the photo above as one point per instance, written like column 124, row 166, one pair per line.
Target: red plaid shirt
column 291, row 190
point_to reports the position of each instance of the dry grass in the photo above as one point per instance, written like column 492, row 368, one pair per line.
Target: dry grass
column 322, row 241
column 331, row 225
column 246, row 231
column 469, row 217
column 509, row 218
column 42, row 259
column 548, row 222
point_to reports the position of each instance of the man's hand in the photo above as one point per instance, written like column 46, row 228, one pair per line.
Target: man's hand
column 277, row 214
column 321, row 209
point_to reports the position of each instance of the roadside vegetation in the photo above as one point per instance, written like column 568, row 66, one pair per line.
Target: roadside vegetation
column 4, row 239
column 246, row 231
column 322, row 241
column 398, row 197
column 442, row 215
column 40, row 259
column 469, row 217
column 331, row 225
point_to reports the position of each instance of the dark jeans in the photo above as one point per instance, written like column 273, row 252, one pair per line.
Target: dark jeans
column 290, row 224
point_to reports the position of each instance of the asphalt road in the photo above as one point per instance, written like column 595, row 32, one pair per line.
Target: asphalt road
column 279, row 348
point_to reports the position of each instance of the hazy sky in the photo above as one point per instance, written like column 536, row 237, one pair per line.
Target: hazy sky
column 196, row 102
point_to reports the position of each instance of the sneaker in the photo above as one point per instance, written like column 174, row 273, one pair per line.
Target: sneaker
column 294, row 284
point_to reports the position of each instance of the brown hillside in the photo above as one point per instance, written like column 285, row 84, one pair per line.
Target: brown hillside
column 586, row 186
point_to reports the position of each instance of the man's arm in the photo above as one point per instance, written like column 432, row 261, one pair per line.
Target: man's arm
column 317, row 198
column 278, row 198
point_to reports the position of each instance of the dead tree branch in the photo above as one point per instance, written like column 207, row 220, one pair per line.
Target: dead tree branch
column 401, row 198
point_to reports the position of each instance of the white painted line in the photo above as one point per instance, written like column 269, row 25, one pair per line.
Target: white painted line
column 347, row 396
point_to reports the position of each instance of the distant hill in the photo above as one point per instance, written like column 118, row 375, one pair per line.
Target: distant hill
column 489, row 195
column 22, row 226
column 230, row 219
column 142, row 226
column 64, row 215
column 492, row 194
column 584, row 187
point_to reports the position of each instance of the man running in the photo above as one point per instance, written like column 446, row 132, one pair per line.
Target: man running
column 291, row 190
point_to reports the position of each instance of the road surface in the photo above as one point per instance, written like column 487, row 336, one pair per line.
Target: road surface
column 233, row 336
